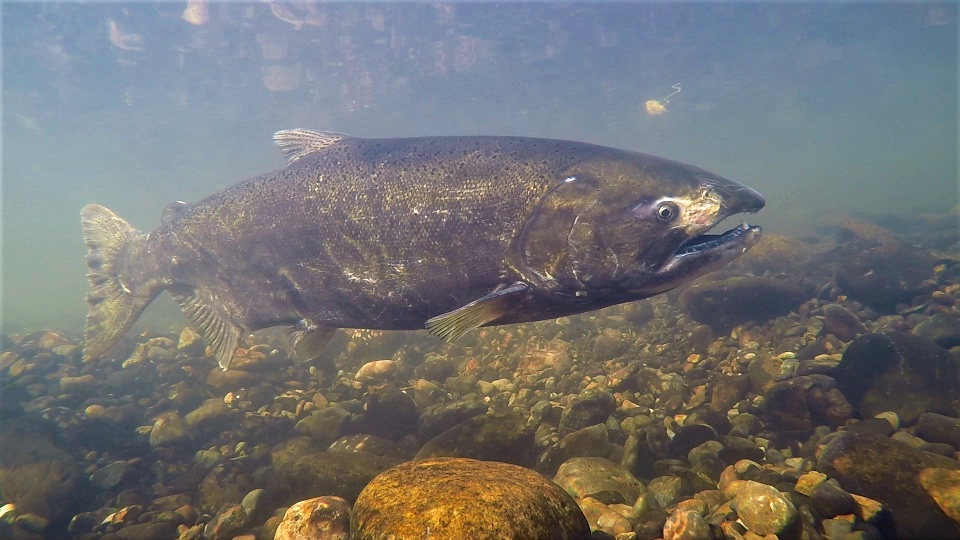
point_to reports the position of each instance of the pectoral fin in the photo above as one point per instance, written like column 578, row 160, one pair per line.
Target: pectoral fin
column 309, row 340
column 221, row 334
column 450, row 326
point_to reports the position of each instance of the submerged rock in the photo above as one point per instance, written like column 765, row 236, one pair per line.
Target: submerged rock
column 493, row 437
column 315, row 474
column 326, row 518
column 464, row 498
column 37, row 474
column 600, row 479
column 804, row 403
column 892, row 371
column 728, row 302
column 890, row 472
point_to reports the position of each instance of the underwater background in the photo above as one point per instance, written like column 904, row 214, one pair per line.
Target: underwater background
column 817, row 377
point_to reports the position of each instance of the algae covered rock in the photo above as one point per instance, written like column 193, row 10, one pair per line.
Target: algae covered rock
column 494, row 437
column 315, row 474
column 728, row 302
column 465, row 498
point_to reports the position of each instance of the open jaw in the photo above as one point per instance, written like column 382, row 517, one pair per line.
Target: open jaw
column 706, row 252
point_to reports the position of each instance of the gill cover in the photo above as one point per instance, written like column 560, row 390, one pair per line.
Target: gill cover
column 560, row 248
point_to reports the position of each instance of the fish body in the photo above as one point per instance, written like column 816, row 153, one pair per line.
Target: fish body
column 447, row 233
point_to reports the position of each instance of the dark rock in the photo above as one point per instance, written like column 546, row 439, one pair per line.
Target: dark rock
column 889, row 471
column 737, row 448
column 371, row 444
column 831, row 500
column 728, row 389
column 438, row 418
column 690, row 436
column 435, row 368
column 226, row 523
column 892, row 371
column 874, row 267
column 609, row 345
column 726, row 303
column 148, row 531
column 589, row 408
column 876, row 426
column 463, row 498
column 492, row 437
column 838, row 320
column 37, row 474
column 938, row 428
column 324, row 426
column 600, row 479
column 390, row 413
column 942, row 449
column 297, row 476
column 940, row 328
column 326, row 518
column 803, row 403
column 225, row 485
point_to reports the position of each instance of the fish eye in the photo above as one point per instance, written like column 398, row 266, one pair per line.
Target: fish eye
column 667, row 212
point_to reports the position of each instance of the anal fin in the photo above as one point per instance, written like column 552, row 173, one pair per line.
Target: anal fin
column 308, row 340
column 451, row 325
column 221, row 334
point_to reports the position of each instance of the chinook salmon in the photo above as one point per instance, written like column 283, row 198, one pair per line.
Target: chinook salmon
column 443, row 233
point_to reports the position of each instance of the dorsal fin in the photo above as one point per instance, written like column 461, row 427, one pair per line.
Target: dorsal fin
column 297, row 143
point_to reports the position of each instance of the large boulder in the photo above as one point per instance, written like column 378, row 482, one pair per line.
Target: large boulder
column 465, row 498
column 893, row 371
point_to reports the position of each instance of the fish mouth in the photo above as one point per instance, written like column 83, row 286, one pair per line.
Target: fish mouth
column 705, row 242
column 706, row 252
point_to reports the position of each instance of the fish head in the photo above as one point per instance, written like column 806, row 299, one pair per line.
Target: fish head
column 630, row 226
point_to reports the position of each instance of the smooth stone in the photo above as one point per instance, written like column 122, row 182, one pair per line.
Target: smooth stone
column 763, row 509
column 587, row 409
column 892, row 371
column 830, row 500
column 390, row 413
column 600, row 479
column 465, row 498
column 839, row 321
column 227, row 523
column 376, row 371
column 211, row 413
column 435, row 368
column 83, row 385
column 257, row 505
column 372, row 444
column 804, row 402
column 940, row 328
column 438, row 418
column 168, row 429
column 554, row 356
column 110, row 475
column 888, row 471
column 686, row 525
column 191, row 343
column 937, row 428
column 326, row 518
column 725, row 303
column 32, row 522
column 689, row 437
column 609, row 344
column 728, row 390
column 491, row 437
column 944, row 486
column 232, row 379
column 589, row 441
column 323, row 426
column 763, row 371
column 873, row 266
column 666, row 489
column 162, row 530
column 298, row 476
column 37, row 474
column 225, row 485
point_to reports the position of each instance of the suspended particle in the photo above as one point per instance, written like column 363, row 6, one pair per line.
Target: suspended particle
column 656, row 107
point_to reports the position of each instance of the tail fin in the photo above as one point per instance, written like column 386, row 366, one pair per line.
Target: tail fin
column 113, row 306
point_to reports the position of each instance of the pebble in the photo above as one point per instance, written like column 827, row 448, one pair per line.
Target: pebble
column 599, row 479
column 763, row 509
column 376, row 371
column 168, row 429
column 326, row 518
column 686, row 525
